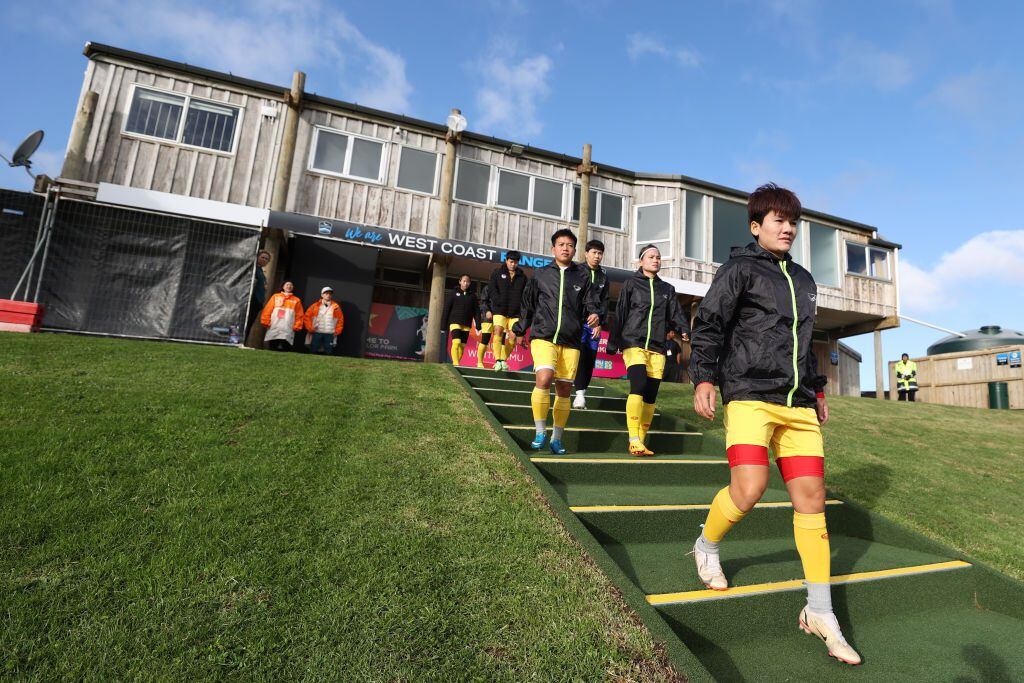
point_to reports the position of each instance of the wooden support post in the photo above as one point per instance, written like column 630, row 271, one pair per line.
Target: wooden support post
column 273, row 238
column 879, row 365
column 584, row 170
column 433, row 352
column 74, row 162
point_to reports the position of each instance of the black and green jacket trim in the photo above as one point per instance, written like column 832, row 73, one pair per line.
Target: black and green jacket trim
column 556, row 303
column 647, row 310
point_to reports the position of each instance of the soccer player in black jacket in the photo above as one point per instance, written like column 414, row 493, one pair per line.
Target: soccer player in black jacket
column 484, row 324
column 460, row 310
column 505, row 291
column 647, row 311
column 594, row 254
column 558, row 300
column 752, row 337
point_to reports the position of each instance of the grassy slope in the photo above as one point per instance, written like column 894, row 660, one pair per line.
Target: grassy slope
column 954, row 474
column 181, row 512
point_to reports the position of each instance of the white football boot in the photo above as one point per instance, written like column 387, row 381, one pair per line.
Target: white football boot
column 580, row 402
column 826, row 627
column 709, row 569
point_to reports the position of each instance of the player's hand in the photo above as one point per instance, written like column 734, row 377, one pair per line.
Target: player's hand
column 489, row 315
column 684, row 337
column 596, row 333
column 704, row 400
column 822, row 410
column 593, row 320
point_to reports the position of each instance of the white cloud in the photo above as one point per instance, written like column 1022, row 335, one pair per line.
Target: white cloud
column 990, row 259
column 512, row 90
column 641, row 44
column 264, row 40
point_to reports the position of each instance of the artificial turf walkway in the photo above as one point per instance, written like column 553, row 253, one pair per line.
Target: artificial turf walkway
column 916, row 609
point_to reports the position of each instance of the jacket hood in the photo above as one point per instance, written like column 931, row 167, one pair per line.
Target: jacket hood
column 755, row 250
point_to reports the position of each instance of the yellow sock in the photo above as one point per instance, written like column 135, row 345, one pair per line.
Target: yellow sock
column 507, row 351
column 457, row 347
column 560, row 411
column 634, row 411
column 722, row 516
column 480, row 349
column 811, row 536
column 540, row 399
column 497, row 347
column 646, row 416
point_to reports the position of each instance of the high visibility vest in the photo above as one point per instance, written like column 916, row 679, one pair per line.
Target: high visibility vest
column 906, row 375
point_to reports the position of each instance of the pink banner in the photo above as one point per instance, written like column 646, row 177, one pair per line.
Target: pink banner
column 521, row 360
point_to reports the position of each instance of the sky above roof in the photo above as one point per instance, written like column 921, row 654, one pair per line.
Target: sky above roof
column 902, row 115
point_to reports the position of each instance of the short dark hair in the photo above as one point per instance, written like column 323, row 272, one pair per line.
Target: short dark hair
column 905, row 354
column 564, row 232
column 771, row 197
column 646, row 247
column 514, row 255
column 595, row 244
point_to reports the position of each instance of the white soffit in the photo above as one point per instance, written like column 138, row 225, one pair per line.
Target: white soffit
column 151, row 200
column 687, row 287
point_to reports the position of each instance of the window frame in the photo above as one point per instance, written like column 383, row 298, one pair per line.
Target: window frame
column 623, row 219
column 705, row 200
column 491, row 182
column 437, row 171
column 176, row 142
column 530, row 194
column 867, row 260
column 710, row 244
column 837, row 253
column 636, row 227
column 385, row 154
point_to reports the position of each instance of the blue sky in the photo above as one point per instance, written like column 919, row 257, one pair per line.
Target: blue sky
column 903, row 115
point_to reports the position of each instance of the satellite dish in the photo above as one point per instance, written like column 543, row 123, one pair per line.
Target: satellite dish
column 23, row 155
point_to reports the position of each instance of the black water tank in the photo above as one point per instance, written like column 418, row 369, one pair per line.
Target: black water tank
column 984, row 338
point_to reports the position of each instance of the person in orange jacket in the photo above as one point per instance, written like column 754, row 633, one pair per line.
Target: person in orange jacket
column 325, row 321
column 282, row 316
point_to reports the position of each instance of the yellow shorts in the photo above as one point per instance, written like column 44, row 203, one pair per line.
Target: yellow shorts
column 789, row 431
column 503, row 322
column 486, row 327
column 562, row 359
column 654, row 361
column 456, row 326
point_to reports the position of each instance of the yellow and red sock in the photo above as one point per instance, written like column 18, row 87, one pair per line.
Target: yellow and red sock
column 811, row 536
column 722, row 516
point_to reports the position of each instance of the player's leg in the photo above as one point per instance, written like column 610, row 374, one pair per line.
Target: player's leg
column 585, row 372
column 509, row 345
column 498, row 341
column 636, row 372
column 459, row 337
column 566, row 365
column 540, row 400
column 802, row 464
column 655, row 371
column 486, row 329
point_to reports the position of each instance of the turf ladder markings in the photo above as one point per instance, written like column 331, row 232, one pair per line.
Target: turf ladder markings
column 598, row 429
column 662, row 599
column 584, row 410
column 658, row 508
column 511, row 379
column 523, row 391
column 631, row 461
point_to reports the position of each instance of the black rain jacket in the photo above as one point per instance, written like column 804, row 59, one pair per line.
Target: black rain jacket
column 752, row 332
column 648, row 308
column 484, row 299
column 460, row 308
column 506, row 292
column 556, row 303
column 599, row 279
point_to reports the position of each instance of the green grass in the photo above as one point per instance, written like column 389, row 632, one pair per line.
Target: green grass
column 182, row 512
column 953, row 474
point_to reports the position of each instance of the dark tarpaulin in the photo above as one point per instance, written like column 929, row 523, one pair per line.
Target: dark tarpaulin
column 19, row 224
column 124, row 272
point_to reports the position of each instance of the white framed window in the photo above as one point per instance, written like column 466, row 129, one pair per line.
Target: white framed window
column 606, row 209
column 694, row 229
column 867, row 261
column 531, row 194
column 417, row 170
column 182, row 119
column 823, row 243
column 343, row 154
column 472, row 181
column 729, row 228
column 653, row 226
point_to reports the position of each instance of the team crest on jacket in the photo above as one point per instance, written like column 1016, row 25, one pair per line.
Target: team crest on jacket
column 503, row 276
column 577, row 287
column 812, row 297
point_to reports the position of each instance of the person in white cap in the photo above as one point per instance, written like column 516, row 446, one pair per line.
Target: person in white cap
column 324, row 320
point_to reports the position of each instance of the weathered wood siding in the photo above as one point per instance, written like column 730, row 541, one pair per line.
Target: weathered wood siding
column 940, row 380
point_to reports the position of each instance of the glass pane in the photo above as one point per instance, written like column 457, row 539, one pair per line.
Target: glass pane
column 154, row 113
column 694, row 225
column 879, row 263
column 514, row 190
column 330, row 151
column 576, row 205
column 366, row 159
column 611, row 211
column 653, row 223
column 731, row 229
column 856, row 259
column 210, row 125
column 824, row 262
column 547, row 197
column 417, row 170
column 472, row 181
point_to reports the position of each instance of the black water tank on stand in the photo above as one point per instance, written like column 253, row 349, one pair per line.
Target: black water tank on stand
column 986, row 337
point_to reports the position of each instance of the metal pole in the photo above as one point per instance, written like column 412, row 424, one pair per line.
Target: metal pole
column 934, row 327
column 584, row 170
column 439, row 273
column 879, row 375
column 46, row 249
column 74, row 162
column 26, row 275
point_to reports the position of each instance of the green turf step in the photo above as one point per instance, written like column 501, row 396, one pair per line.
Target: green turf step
column 955, row 625
column 507, row 383
column 612, row 441
column 522, row 397
column 522, row 376
column 600, row 419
